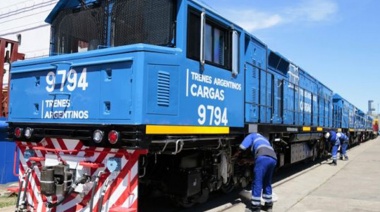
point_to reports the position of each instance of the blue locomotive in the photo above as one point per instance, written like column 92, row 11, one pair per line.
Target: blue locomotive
column 141, row 95
column 349, row 119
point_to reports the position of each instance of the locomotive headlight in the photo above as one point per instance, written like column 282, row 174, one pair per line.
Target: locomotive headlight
column 28, row 132
column 113, row 136
column 98, row 136
column 18, row 132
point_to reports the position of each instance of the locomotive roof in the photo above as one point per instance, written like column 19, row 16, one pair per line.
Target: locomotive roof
column 63, row 4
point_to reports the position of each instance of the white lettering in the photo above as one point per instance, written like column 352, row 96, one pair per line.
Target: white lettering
column 57, row 103
column 71, row 77
column 206, row 92
column 201, row 77
column 307, row 107
column 304, row 106
column 70, row 114
column 214, row 114
column 227, row 84
column 216, row 81
column 307, row 95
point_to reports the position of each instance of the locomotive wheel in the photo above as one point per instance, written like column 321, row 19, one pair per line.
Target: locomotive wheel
column 229, row 186
column 321, row 150
column 185, row 202
column 188, row 202
column 316, row 151
column 204, row 196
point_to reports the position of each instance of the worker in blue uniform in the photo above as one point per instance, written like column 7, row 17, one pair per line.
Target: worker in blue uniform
column 333, row 139
column 265, row 161
column 344, row 144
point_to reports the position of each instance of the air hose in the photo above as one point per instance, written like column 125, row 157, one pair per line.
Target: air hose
column 26, row 179
column 93, row 192
column 81, row 180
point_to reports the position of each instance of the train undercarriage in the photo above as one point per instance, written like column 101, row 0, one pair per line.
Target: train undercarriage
column 188, row 172
column 188, row 176
column 66, row 173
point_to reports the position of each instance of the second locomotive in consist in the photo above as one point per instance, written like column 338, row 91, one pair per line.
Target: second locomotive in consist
column 141, row 95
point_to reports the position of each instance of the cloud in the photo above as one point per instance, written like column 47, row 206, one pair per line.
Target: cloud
column 307, row 11
column 253, row 19
column 312, row 10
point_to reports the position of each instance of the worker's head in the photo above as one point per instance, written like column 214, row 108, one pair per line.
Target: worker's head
column 327, row 135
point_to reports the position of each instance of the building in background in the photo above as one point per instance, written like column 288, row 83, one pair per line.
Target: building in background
column 25, row 21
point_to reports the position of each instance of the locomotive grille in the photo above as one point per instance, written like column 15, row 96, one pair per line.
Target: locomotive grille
column 137, row 21
column 254, row 74
column 163, row 89
column 254, row 96
column 74, row 30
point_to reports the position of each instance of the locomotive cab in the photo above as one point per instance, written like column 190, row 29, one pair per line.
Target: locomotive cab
column 131, row 88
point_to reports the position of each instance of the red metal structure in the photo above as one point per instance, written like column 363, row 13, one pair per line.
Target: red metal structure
column 376, row 125
column 375, row 128
column 8, row 53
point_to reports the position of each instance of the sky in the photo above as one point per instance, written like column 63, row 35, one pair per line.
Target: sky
column 335, row 41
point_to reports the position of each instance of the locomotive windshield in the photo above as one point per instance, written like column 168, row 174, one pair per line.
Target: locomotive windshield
column 114, row 23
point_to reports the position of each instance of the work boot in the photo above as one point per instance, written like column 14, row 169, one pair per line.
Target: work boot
column 268, row 207
column 255, row 208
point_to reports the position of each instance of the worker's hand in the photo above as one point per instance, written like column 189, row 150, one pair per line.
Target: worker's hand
column 235, row 155
column 245, row 162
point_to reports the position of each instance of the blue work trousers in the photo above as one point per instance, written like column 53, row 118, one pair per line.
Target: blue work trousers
column 335, row 148
column 344, row 148
column 262, row 182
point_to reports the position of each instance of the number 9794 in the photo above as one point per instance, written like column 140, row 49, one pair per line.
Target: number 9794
column 212, row 115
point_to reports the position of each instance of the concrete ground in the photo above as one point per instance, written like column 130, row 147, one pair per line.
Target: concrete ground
column 352, row 185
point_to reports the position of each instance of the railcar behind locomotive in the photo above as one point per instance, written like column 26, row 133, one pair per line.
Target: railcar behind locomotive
column 141, row 95
column 349, row 119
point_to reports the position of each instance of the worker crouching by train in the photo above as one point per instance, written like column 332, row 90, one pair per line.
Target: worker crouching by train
column 265, row 160
column 344, row 144
column 332, row 137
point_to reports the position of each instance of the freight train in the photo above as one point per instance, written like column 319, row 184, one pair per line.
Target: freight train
column 150, row 95
column 352, row 121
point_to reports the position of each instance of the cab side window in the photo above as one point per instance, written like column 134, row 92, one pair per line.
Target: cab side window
column 217, row 41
